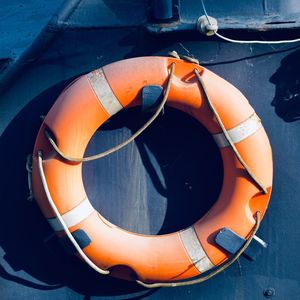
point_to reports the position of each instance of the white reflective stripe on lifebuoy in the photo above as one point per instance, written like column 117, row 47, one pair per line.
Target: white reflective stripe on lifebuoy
column 240, row 132
column 104, row 92
column 194, row 250
column 73, row 216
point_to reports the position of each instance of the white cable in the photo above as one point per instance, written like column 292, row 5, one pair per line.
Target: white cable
column 243, row 41
column 60, row 219
column 255, row 42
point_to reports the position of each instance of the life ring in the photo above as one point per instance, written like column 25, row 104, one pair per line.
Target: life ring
column 89, row 102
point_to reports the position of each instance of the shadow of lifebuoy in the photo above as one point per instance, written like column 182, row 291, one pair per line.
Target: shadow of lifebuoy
column 287, row 81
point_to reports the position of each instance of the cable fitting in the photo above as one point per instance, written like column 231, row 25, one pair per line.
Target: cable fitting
column 207, row 25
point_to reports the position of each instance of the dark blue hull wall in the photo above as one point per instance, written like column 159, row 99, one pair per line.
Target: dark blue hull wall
column 159, row 183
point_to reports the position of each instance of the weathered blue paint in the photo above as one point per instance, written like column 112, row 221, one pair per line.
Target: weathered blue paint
column 22, row 44
column 21, row 24
column 162, row 9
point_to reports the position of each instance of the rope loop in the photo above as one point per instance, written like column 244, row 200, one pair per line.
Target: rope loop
column 227, row 136
column 59, row 217
column 29, row 177
column 215, row 271
column 126, row 142
column 190, row 59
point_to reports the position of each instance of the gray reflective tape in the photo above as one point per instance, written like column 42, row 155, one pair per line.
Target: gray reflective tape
column 104, row 92
column 194, row 250
column 73, row 216
column 240, row 132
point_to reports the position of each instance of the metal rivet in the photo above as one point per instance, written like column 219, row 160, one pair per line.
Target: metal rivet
column 269, row 292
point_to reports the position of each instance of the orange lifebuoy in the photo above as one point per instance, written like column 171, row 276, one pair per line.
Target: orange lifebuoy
column 89, row 102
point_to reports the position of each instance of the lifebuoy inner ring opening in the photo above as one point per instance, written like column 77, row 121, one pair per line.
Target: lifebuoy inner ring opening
column 165, row 181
